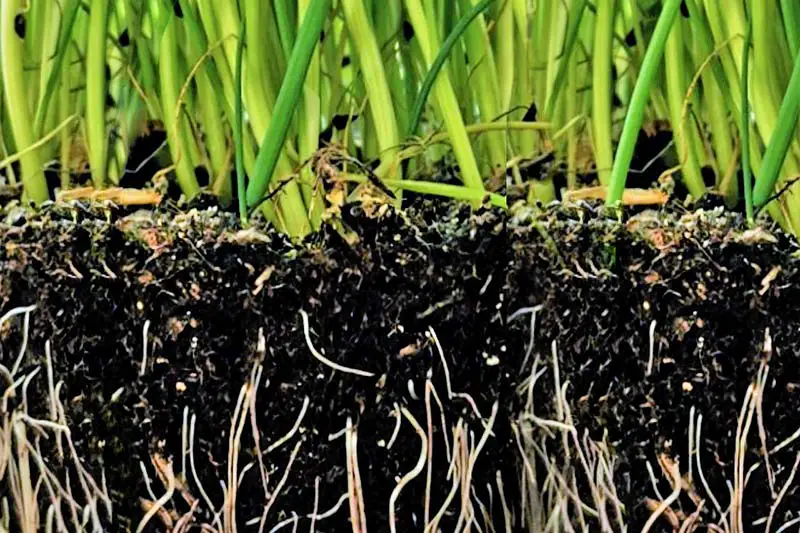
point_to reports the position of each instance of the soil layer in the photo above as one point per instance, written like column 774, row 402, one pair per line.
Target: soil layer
column 98, row 276
column 712, row 288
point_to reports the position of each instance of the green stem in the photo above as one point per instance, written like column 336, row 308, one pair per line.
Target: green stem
column 456, row 192
column 639, row 98
column 687, row 140
column 446, row 98
column 16, row 97
column 374, row 76
column 602, row 89
column 286, row 103
column 782, row 137
column 438, row 63
column 744, row 125
column 96, row 85
column 237, row 130
column 791, row 24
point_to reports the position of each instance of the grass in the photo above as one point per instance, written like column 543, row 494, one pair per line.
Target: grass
column 335, row 73
column 120, row 69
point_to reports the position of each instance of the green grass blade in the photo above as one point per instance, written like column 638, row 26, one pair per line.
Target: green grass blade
column 285, row 27
column 375, row 81
column 446, row 190
column 744, row 125
column 96, row 87
column 573, row 31
column 237, row 130
column 449, row 110
column 782, row 137
column 641, row 93
column 438, row 63
column 179, row 134
column 16, row 98
column 310, row 122
column 505, row 40
column 481, row 79
column 602, row 88
column 688, row 144
column 456, row 192
column 286, row 103
column 791, row 24
column 70, row 13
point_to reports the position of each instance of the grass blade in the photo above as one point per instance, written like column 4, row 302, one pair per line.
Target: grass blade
column 237, row 131
column 438, row 63
column 641, row 93
column 573, row 31
column 16, row 97
column 745, row 125
column 602, row 88
column 781, row 139
column 70, row 13
column 286, row 103
column 96, row 87
column 377, row 86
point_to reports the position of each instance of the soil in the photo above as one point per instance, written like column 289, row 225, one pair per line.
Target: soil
column 712, row 287
column 98, row 275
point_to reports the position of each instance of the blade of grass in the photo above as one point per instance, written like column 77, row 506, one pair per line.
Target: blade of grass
column 687, row 139
column 70, row 13
column 504, row 42
column 287, row 100
column 602, row 88
column 237, row 131
column 781, row 139
column 573, row 31
column 641, row 92
column 446, row 99
column 178, row 132
column 438, row 63
column 374, row 75
column 285, row 27
column 16, row 96
column 482, row 82
column 791, row 24
column 96, row 87
column 744, row 126
column 310, row 120
column 446, row 190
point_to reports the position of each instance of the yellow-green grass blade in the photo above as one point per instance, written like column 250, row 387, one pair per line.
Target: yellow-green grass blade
column 482, row 82
column 602, row 88
column 446, row 99
column 178, row 135
column 308, row 136
column 96, row 90
column 641, row 92
column 17, row 101
column 438, row 63
column 379, row 96
column 288, row 98
column 782, row 137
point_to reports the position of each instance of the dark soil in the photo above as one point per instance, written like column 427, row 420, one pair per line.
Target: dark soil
column 707, row 284
column 712, row 288
column 98, row 275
